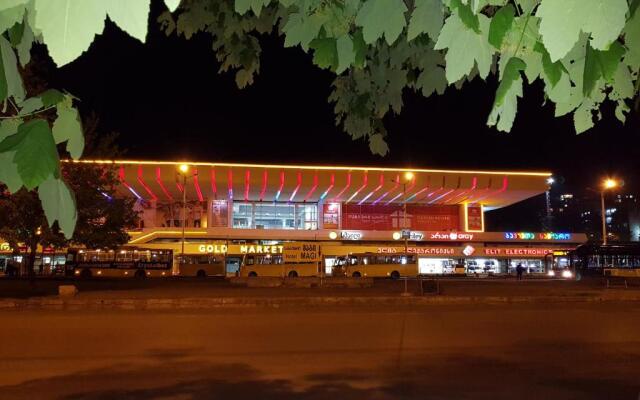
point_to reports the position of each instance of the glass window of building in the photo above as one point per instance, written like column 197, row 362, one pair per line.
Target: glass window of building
column 275, row 215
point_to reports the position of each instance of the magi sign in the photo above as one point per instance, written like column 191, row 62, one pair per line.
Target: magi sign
column 302, row 252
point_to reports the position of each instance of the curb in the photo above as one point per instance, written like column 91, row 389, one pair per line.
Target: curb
column 56, row 303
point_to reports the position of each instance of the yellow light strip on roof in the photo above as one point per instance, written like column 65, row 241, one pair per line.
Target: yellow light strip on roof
column 311, row 167
column 138, row 239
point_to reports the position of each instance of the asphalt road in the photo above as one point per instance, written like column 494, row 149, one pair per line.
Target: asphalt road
column 493, row 352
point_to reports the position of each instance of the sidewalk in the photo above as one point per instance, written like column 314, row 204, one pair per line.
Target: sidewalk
column 193, row 294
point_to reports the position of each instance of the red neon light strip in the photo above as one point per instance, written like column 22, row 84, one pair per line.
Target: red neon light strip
column 214, row 186
column 397, row 181
column 264, row 184
column 505, row 184
column 313, row 188
column 144, row 185
column 452, row 191
column 465, row 193
column 331, row 184
column 365, row 182
column 281, row 186
column 197, row 185
column 297, row 186
column 337, row 197
column 159, row 182
column 247, row 179
column 230, row 183
column 374, row 190
column 180, row 188
column 125, row 184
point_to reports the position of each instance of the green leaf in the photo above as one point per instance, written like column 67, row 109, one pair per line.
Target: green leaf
column 563, row 20
column 466, row 15
column 552, row 70
column 24, row 47
column 465, row 48
column 632, row 41
column 510, row 76
column 346, row 53
column 9, row 127
column 600, row 64
column 378, row 145
column 35, row 152
column 500, row 24
column 302, row 30
column 10, row 80
column 9, row 171
column 11, row 13
column 382, row 17
column 67, row 127
column 359, row 48
column 427, row 17
column 505, row 105
column 68, row 26
column 30, row 105
column 51, row 97
column 527, row 6
column 432, row 80
column 172, row 5
column 325, row 53
column 131, row 16
column 58, row 204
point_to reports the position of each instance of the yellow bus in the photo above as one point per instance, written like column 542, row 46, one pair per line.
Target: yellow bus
column 122, row 263
column 374, row 265
column 273, row 265
column 201, row 265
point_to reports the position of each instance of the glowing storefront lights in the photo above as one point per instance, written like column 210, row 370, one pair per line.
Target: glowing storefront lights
column 539, row 236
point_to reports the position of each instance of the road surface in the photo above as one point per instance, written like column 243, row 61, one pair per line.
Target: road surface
column 577, row 351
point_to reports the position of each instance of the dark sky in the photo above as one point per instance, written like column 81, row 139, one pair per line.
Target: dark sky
column 168, row 101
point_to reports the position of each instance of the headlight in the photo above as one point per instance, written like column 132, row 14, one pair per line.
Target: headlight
column 551, row 273
column 99, row 272
column 566, row 274
column 77, row 272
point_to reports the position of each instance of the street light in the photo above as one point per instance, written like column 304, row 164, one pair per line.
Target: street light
column 607, row 184
column 408, row 176
column 183, row 169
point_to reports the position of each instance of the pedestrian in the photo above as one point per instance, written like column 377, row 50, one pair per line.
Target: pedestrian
column 519, row 270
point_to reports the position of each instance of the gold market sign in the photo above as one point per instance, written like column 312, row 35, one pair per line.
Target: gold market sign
column 240, row 249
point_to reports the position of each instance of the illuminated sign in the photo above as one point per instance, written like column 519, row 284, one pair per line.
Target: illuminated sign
column 5, row 247
column 301, row 252
column 536, row 252
column 213, row 248
column 244, row 249
column 451, row 236
column 439, row 251
column 539, row 236
column 468, row 250
column 351, row 235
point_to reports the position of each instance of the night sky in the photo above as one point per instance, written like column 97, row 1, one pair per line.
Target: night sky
column 168, row 102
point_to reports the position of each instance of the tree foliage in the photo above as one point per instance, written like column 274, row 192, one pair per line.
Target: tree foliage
column 584, row 52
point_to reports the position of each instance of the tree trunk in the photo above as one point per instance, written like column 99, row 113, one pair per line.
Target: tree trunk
column 31, row 259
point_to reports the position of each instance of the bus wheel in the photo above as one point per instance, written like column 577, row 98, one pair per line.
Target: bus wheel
column 252, row 274
column 140, row 274
column 293, row 274
column 85, row 273
column 356, row 274
column 201, row 274
column 395, row 275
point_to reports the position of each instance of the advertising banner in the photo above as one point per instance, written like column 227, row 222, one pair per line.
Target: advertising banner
column 475, row 219
column 391, row 217
column 302, row 252
column 219, row 214
column 330, row 215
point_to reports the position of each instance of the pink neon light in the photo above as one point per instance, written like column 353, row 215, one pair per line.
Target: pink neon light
column 450, row 192
column 247, row 179
column 365, row 182
column 505, row 184
column 144, row 185
column 374, row 190
column 180, row 188
column 331, row 184
column 214, row 186
column 159, row 182
column 197, row 185
column 230, row 183
column 397, row 184
column 125, row 184
column 337, row 197
column 313, row 188
column 281, row 186
column 297, row 186
column 264, row 184
column 465, row 193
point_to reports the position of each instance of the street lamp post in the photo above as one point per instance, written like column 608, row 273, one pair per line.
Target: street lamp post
column 607, row 184
column 407, row 177
column 183, row 169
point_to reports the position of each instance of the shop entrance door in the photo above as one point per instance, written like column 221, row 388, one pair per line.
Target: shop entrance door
column 233, row 266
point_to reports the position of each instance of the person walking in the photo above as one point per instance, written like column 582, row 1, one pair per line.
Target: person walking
column 519, row 271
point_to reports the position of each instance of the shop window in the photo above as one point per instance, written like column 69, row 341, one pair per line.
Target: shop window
column 275, row 216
